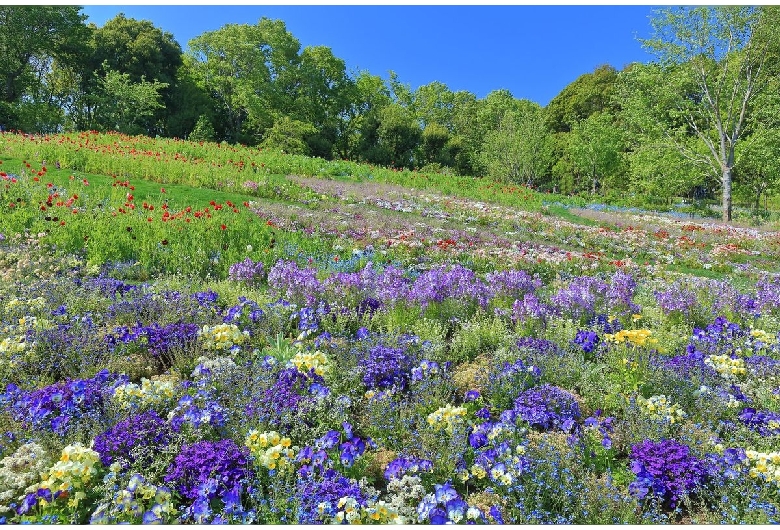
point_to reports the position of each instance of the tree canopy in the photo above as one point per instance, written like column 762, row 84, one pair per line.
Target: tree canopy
column 698, row 120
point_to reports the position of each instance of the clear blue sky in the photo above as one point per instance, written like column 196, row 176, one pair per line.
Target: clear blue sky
column 532, row 51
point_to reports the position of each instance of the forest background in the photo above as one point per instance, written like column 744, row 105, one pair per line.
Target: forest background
column 701, row 121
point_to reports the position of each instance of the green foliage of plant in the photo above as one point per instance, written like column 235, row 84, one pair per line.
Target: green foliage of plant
column 481, row 335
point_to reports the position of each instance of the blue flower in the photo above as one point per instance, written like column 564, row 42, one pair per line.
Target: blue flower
column 201, row 510
column 438, row 516
column 328, row 441
column 445, row 492
column 456, row 509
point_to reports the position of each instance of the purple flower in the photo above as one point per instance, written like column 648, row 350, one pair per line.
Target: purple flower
column 246, row 271
column 667, row 469
column 385, row 367
column 328, row 488
column 546, row 407
column 580, row 298
column 196, row 463
column 471, row 395
column 60, row 406
column 299, row 286
column 407, row 465
column 765, row 423
column 143, row 431
column 586, row 340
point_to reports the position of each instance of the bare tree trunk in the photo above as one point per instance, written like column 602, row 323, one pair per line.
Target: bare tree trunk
column 727, row 194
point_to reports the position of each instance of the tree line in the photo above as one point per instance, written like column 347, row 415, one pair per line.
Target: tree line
column 701, row 120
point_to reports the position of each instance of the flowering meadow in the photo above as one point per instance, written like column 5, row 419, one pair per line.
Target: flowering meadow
column 195, row 333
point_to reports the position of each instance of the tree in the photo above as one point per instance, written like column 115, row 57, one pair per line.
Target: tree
column 357, row 125
column 757, row 161
column 249, row 73
column 289, row 136
column 588, row 94
column 433, row 104
column 147, row 54
column 722, row 52
column 518, row 150
column 390, row 137
column 126, row 105
column 596, row 147
column 321, row 97
column 31, row 39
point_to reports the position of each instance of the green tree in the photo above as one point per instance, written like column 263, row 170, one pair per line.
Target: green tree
column 126, row 104
column 723, row 52
column 321, row 97
column 289, row 136
column 203, row 130
column 588, row 94
column 464, row 143
column 391, row 137
column 433, row 104
column 519, row 149
column 145, row 53
column 756, row 158
column 249, row 72
column 357, row 125
column 32, row 39
column 596, row 148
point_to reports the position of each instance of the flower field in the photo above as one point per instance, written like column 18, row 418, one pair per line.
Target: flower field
column 200, row 333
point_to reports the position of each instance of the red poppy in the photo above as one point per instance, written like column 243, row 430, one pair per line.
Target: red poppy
column 223, row 227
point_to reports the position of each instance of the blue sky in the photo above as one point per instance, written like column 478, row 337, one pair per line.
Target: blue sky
column 532, row 51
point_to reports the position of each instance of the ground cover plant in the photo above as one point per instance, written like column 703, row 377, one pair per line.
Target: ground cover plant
column 194, row 344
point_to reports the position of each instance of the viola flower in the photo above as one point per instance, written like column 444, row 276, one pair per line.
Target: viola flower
column 120, row 443
column 201, row 461
column 546, row 407
column 667, row 469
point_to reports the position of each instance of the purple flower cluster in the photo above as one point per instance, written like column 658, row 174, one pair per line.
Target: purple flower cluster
column 108, row 286
column 291, row 392
column 121, row 442
column 530, row 308
column 161, row 341
column 59, row 406
column 677, row 298
column 768, row 294
column 511, row 378
column 352, row 286
column 448, row 283
column 196, row 463
column 244, row 313
column 198, row 410
column 620, row 294
column 604, row 425
column 299, row 286
column 327, row 489
column 247, row 271
column 586, row 340
column 511, row 283
column 667, row 469
column 579, row 299
column 443, row 506
column 407, row 466
column 385, row 367
column 719, row 338
column 765, row 423
column 546, row 407
column 605, row 324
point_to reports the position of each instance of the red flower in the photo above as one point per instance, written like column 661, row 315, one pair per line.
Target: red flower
column 223, row 227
